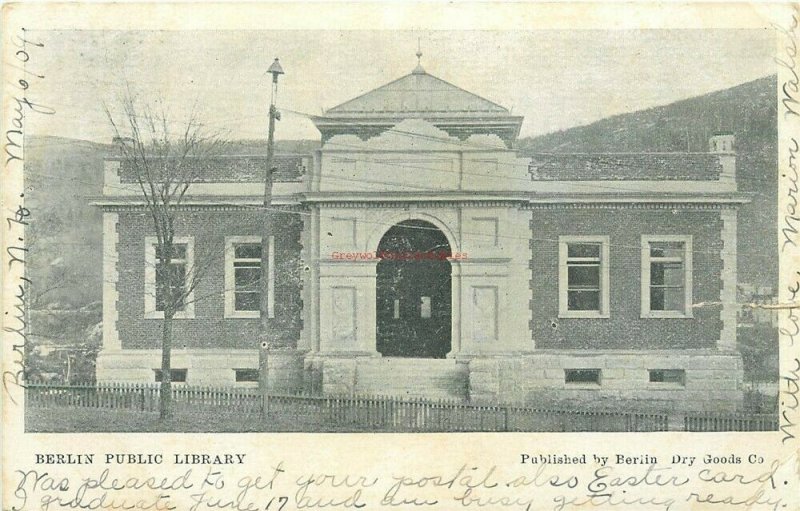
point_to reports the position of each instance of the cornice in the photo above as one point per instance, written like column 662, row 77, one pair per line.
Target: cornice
column 390, row 200
column 635, row 205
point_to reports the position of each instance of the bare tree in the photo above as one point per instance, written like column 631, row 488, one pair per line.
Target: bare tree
column 165, row 163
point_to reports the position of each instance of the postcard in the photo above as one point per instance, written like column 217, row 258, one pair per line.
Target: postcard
column 501, row 256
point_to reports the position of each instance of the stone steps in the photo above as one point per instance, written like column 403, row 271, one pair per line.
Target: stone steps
column 413, row 377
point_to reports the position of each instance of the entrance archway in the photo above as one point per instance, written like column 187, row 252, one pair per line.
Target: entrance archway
column 413, row 292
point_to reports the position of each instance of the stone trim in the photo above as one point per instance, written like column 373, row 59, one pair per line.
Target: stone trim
column 567, row 202
column 111, row 180
column 685, row 204
column 727, row 295
column 111, row 340
column 311, row 281
column 281, row 204
column 394, row 204
column 377, row 232
column 698, row 203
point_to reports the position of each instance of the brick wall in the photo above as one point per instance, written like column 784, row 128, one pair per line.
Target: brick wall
column 639, row 166
column 244, row 169
column 625, row 329
column 209, row 329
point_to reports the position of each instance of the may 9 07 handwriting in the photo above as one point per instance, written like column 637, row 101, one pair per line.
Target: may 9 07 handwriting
column 17, row 218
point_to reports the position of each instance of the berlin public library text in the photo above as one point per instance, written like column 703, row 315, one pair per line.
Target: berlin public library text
column 140, row 459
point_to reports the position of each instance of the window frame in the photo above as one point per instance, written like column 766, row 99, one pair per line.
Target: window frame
column 230, row 278
column 150, row 262
column 563, row 277
column 646, row 312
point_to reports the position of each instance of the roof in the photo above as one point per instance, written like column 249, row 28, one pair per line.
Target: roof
column 419, row 95
column 619, row 166
column 418, row 92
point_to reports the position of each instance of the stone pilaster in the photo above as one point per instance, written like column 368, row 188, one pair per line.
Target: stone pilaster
column 455, row 308
column 727, row 295
column 111, row 340
column 111, row 181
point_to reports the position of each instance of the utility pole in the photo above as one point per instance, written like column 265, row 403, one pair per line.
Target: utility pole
column 267, row 226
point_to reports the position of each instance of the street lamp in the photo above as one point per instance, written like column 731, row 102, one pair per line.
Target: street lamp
column 275, row 70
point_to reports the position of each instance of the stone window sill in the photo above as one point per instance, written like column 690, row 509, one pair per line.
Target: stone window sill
column 666, row 315
column 160, row 315
column 243, row 315
column 583, row 315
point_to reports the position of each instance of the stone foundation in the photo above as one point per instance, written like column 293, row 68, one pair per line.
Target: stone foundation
column 284, row 372
column 401, row 377
column 203, row 367
column 712, row 380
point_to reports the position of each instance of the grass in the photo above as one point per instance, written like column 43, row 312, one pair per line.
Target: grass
column 220, row 419
column 99, row 420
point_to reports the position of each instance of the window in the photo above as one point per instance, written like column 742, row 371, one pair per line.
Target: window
column 583, row 277
column 246, row 375
column 246, row 276
column 590, row 376
column 666, row 276
column 175, row 274
column 425, row 307
column 396, row 309
column 176, row 375
column 243, row 277
column 178, row 274
column 669, row 376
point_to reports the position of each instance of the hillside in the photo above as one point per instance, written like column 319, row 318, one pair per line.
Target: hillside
column 65, row 233
column 747, row 110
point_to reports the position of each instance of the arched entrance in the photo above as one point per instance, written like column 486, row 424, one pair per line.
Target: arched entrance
column 413, row 292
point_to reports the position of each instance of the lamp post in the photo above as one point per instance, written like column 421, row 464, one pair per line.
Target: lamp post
column 267, row 227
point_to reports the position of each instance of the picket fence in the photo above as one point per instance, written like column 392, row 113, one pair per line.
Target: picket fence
column 716, row 422
column 373, row 413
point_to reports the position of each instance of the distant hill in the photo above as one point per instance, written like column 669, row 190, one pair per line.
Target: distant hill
column 65, row 233
column 747, row 110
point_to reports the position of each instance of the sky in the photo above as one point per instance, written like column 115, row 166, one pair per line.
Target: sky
column 555, row 79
